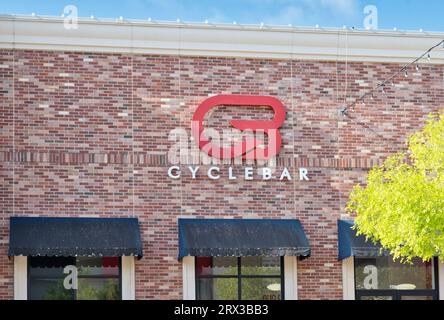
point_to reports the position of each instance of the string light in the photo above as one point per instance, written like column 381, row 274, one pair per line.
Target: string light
column 391, row 79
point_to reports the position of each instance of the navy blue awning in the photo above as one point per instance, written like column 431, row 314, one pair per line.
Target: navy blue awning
column 65, row 237
column 242, row 237
column 352, row 245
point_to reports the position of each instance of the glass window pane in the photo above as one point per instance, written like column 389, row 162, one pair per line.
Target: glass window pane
column 416, row 298
column 376, row 298
column 261, row 289
column 261, row 266
column 383, row 273
column 49, row 289
column 217, row 289
column 98, row 266
column 210, row 266
column 46, row 278
column 67, row 278
column 98, row 289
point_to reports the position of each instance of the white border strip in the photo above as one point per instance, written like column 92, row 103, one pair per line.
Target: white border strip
column 189, row 278
column 291, row 278
column 128, row 278
column 112, row 36
column 20, row 278
column 348, row 278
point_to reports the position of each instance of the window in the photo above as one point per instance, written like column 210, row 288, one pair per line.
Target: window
column 70, row 278
column 381, row 278
column 244, row 278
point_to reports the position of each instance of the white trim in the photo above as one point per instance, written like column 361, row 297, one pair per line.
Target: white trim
column 143, row 37
column 348, row 278
column 128, row 278
column 441, row 279
column 291, row 278
column 20, row 278
column 189, row 278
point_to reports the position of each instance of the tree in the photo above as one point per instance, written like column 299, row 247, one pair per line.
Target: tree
column 402, row 205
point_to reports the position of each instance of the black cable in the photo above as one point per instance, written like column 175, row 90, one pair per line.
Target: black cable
column 352, row 105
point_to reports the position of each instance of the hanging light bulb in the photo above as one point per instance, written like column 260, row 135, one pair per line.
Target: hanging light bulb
column 406, row 74
column 428, row 56
column 382, row 88
column 371, row 96
column 417, row 67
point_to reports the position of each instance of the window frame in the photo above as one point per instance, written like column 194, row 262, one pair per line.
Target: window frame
column 397, row 294
column 239, row 276
column 74, row 292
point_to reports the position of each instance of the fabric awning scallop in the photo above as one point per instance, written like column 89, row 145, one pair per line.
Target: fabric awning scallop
column 242, row 237
column 350, row 244
column 67, row 237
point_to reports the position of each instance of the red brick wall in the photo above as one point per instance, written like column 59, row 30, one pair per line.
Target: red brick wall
column 91, row 136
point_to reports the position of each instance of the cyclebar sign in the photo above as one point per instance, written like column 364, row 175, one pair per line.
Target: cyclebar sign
column 251, row 147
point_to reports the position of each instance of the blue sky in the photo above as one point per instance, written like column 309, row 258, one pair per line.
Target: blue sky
column 402, row 14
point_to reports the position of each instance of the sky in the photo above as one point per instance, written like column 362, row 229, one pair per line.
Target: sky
column 400, row 14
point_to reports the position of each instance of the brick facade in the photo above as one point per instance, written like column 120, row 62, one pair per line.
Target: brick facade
column 86, row 134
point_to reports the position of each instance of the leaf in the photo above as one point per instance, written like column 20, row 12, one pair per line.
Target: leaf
column 402, row 205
